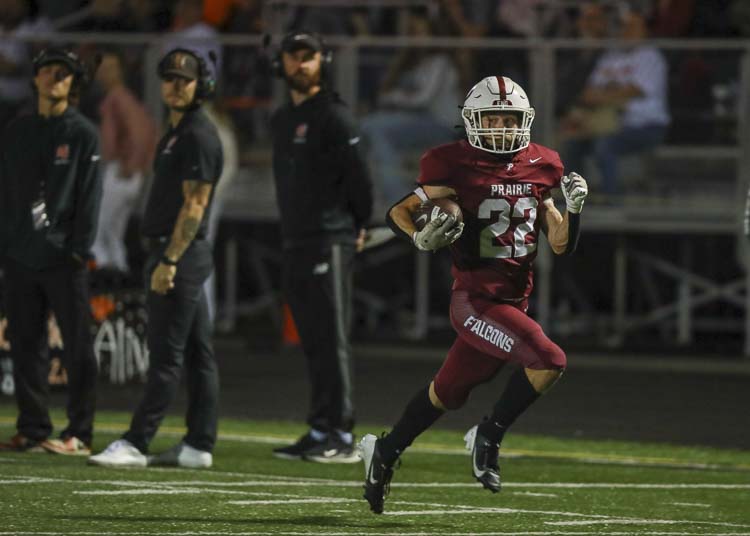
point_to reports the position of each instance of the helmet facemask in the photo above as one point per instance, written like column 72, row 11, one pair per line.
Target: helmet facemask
column 500, row 140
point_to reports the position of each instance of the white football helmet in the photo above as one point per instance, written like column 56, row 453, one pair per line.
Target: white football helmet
column 492, row 95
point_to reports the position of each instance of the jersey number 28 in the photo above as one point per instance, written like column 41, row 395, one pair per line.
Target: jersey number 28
column 525, row 207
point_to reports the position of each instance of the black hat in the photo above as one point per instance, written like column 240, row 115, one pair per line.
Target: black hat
column 299, row 40
column 181, row 63
column 58, row 55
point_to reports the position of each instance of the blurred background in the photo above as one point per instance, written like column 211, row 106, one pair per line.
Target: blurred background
column 652, row 309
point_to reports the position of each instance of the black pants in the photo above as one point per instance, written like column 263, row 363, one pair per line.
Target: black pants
column 179, row 337
column 30, row 295
column 318, row 288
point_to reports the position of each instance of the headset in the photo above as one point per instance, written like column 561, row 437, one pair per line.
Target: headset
column 277, row 64
column 206, row 87
column 66, row 57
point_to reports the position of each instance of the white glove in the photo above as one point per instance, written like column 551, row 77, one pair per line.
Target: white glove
column 575, row 190
column 438, row 233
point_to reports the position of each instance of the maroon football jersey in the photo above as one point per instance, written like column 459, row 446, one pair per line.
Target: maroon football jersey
column 501, row 198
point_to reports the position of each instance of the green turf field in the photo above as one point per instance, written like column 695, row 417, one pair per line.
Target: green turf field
column 551, row 487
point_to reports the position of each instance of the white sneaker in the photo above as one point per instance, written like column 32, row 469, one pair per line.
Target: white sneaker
column 120, row 453
column 183, row 455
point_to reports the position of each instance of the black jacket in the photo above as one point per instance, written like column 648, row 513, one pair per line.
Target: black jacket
column 323, row 186
column 55, row 158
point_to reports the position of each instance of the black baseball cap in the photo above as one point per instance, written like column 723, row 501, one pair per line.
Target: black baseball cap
column 181, row 63
column 298, row 40
column 57, row 55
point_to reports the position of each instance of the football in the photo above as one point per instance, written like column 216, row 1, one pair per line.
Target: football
column 432, row 208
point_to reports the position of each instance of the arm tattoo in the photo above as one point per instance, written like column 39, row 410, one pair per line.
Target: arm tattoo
column 190, row 227
column 197, row 195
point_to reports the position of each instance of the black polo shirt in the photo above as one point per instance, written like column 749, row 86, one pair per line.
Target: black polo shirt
column 323, row 185
column 57, row 159
column 191, row 151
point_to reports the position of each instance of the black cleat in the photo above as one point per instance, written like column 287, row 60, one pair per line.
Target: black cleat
column 484, row 454
column 377, row 474
column 297, row 451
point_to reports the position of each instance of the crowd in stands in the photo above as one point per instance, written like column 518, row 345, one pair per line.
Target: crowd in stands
column 608, row 102
column 471, row 18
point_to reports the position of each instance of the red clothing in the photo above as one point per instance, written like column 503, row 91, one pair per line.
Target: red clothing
column 500, row 197
column 490, row 334
column 128, row 134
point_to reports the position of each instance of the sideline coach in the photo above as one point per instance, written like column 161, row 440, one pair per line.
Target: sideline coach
column 188, row 163
column 325, row 199
column 50, row 194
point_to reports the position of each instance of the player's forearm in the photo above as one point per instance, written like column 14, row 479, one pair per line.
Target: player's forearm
column 185, row 230
column 400, row 222
column 557, row 233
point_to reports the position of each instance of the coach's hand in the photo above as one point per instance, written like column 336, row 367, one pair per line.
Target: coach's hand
column 361, row 239
column 575, row 190
column 162, row 278
column 438, row 233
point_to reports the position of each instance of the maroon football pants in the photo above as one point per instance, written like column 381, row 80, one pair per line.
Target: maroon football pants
column 490, row 334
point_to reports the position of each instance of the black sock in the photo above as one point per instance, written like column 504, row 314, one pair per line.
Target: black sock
column 518, row 395
column 418, row 416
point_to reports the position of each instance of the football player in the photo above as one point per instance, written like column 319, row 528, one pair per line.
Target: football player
column 502, row 183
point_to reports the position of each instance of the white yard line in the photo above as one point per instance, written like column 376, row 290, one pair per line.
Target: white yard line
column 185, row 491
column 312, row 482
column 697, row 505
column 296, row 501
column 458, row 508
column 27, row 480
column 360, row 532
column 626, row 521
column 141, row 491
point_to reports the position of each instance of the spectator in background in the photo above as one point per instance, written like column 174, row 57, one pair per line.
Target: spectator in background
column 128, row 137
column 575, row 65
column 489, row 18
column 419, row 108
column 15, row 55
column 191, row 32
column 672, row 18
column 142, row 15
column 218, row 12
column 247, row 87
column 471, row 19
column 623, row 108
column 107, row 15
column 520, row 18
